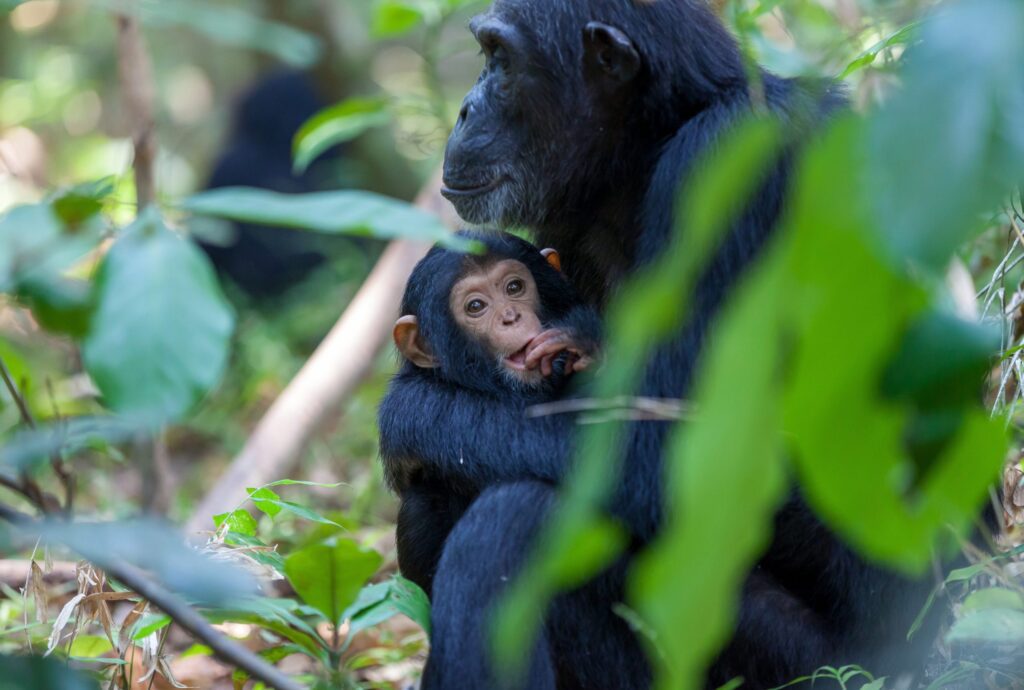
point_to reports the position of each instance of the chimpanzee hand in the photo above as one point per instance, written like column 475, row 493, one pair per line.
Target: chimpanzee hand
column 543, row 349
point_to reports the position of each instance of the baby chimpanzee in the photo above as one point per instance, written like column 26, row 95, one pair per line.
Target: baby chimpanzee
column 483, row 336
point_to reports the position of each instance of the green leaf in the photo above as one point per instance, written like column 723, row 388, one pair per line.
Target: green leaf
column 335, row 125
column 989, row 626
column 149, row 624
column 239, row 521
column 378, row 602
column 393, row 18
column 61, row 305
column 160, row 335
column 343, row 212
column 994, row 598
column 329, row 576
column 81, row 202
column 20, row 673
column 89, row 646
column 299, row 511
column 266, row 500
column 901, row 36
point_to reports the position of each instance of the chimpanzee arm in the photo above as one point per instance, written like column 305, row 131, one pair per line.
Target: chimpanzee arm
column 471, row 438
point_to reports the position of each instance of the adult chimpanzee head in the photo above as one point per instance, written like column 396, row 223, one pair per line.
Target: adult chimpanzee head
column 469, row 318
column 574, row 100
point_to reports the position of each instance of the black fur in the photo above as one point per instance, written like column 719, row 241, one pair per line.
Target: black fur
column 593, row 166
column 466, row 389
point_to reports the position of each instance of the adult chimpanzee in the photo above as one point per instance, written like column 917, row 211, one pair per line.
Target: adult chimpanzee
column 586, row 119
column 484, row 336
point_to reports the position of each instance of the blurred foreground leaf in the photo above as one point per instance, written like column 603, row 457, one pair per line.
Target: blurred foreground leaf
column 343, row 212
column 35, row 673
column 29, row 447
column 159, row 339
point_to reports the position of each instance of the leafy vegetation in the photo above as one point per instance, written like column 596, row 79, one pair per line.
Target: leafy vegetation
column 851, row 359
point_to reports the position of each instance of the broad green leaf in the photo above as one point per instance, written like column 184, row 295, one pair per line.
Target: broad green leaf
column 989, row 626
column 328, row 576
column 335, row 125
column 266, row 500
column 21, row 673
column 27, row 233
column 848, row 438
column 734, row 436
column 238, row 521
column 61, row 305
column 295, row 509
column 79, row 203
column 950, row 144
column 377, row 603
column 160, row 335
column 343, row 212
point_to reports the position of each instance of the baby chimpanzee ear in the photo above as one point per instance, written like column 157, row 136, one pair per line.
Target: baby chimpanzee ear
column 552, row 258
column 407, row 339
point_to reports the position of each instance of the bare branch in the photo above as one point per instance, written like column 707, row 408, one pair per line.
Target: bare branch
column 137, row 90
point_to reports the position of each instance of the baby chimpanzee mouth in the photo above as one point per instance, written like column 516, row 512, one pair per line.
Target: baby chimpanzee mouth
column 517, row 360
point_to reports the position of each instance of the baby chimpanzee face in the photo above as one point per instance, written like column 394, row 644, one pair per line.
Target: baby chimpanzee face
column 498, row 305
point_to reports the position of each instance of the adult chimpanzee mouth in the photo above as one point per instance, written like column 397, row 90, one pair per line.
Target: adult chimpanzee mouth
column 457, row 192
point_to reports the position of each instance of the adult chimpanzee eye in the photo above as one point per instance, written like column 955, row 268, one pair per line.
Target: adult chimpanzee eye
column 475, row 306
column 499, row 56
column 515, row 286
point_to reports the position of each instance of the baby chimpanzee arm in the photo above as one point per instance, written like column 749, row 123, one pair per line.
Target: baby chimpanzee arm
column 471, row 438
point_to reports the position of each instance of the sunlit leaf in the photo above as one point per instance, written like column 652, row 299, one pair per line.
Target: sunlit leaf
column 989, row 626
column 393, row 18
column 266, row 500
column 238, row 521
column 159, row 338
column 336, row 125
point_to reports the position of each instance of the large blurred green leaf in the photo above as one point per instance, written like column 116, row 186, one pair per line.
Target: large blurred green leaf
column 228, row 25
column 328, row 576
column 950, row 144
column 155, row 547
column 335, row 125
column 35, row 673
column 734, row 436
column 27, row 447
column 159, row 338
column 649, row 309
column 342, row 212
column 853, row 312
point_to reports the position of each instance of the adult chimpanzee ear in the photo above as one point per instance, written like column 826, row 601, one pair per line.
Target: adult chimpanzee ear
column 407, row 339
column 552, row 257
column 609, row 54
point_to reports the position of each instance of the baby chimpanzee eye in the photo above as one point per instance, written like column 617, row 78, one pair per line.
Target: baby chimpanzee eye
column 515, row 286
column 475, row 306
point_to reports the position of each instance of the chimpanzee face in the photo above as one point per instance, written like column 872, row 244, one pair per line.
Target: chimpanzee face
column 498, row 306
column 539, row 108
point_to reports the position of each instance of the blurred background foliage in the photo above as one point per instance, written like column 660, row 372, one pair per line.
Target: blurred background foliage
column 354, row 99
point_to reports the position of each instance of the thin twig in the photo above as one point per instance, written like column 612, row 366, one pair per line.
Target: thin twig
column 185, row 616
column 137, row 91
column 19, row 400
